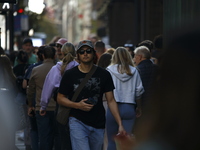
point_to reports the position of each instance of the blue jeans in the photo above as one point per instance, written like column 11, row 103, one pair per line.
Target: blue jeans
column 46, row 130
column 34, row 133
column 127, row 114
column 84, row 137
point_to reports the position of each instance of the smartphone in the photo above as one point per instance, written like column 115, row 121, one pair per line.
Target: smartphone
column 91, row 101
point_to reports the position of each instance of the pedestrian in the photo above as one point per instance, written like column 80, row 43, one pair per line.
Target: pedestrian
column 130, row 47
column 128, row 92
column 27, row 46
column 19, row 71
column 104, row 62
column 147, row 70
column 30, row 68
column 32, row 119
column 51, row 85
column 45, row 124
column 9, row 113
column 100, row 48
column 149, row 44
column 87, row 115
column 59, row 44
column 110, row 51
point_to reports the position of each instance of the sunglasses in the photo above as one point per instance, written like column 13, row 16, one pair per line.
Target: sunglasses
column 58, row 46
column 88, row 51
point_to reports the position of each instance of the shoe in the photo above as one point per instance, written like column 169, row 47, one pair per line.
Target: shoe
column 20, row 138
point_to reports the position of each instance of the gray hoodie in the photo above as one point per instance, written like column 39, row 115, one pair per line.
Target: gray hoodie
column 128, row 88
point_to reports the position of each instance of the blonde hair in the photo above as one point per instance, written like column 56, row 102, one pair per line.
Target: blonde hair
column 123, row 59
column 110, row 51
column 69, row 53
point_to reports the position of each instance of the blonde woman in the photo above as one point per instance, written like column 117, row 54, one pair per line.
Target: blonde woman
column 53, row 79
column 128, row 91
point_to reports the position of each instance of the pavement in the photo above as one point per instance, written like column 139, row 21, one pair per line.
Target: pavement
column 19, row 143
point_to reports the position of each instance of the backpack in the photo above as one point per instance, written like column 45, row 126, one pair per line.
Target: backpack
column 19, row 82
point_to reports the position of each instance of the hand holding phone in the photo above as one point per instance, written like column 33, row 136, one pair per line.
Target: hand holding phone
column 91, row 101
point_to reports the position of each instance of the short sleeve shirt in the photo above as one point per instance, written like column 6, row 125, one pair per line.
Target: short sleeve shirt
column 99, row 83
column 31, row 60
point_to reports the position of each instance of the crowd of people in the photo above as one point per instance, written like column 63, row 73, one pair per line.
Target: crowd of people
column 133, row 97
column 48, row 78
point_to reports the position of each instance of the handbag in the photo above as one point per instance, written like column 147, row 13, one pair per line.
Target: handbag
column 63, row 112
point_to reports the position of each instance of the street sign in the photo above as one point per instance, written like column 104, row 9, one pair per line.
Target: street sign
column 4, row 6
column 8, row 1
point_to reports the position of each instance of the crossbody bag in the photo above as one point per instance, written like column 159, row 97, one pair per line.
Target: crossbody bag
column 63, row 112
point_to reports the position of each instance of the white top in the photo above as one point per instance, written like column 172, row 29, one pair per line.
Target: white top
column 128, row 88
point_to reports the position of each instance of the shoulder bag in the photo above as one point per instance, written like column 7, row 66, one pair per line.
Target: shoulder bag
column 63, row 112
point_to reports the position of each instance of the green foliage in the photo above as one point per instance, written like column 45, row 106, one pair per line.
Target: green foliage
column 41, row 23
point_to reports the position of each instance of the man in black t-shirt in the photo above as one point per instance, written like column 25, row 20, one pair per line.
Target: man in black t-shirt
column 87, row 121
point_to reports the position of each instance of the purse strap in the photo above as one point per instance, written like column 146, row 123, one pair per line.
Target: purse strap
column 84, row 81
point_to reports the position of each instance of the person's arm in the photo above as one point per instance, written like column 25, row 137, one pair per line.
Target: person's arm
column 139, row 91
column 114, row 110
column 24, row 84
column 62, row 100
column 138, row 108
column 47, row 90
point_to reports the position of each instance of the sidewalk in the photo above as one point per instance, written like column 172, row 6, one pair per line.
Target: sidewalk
column 19, row 143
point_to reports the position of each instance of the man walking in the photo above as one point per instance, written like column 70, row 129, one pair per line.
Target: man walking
column 147, row 70
column 87, row 121
column 45, row 124
column 100, row 48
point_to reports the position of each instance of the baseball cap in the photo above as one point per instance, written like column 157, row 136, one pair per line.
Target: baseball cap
column 61, row 41
column 85, row 43
column 27, row 40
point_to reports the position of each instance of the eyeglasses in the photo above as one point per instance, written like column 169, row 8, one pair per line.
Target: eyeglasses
column 88, row 51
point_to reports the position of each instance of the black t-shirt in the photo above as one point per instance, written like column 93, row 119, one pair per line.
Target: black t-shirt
column 20, row 69
column 99, row 83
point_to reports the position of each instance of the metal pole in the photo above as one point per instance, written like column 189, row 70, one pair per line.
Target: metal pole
column 6, row 35
column 0, row 37
column 11, row 29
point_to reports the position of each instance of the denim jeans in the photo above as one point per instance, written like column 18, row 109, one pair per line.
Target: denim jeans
column 127, row 114
column 46, row 130
column 84, row 137
column 34, row 133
